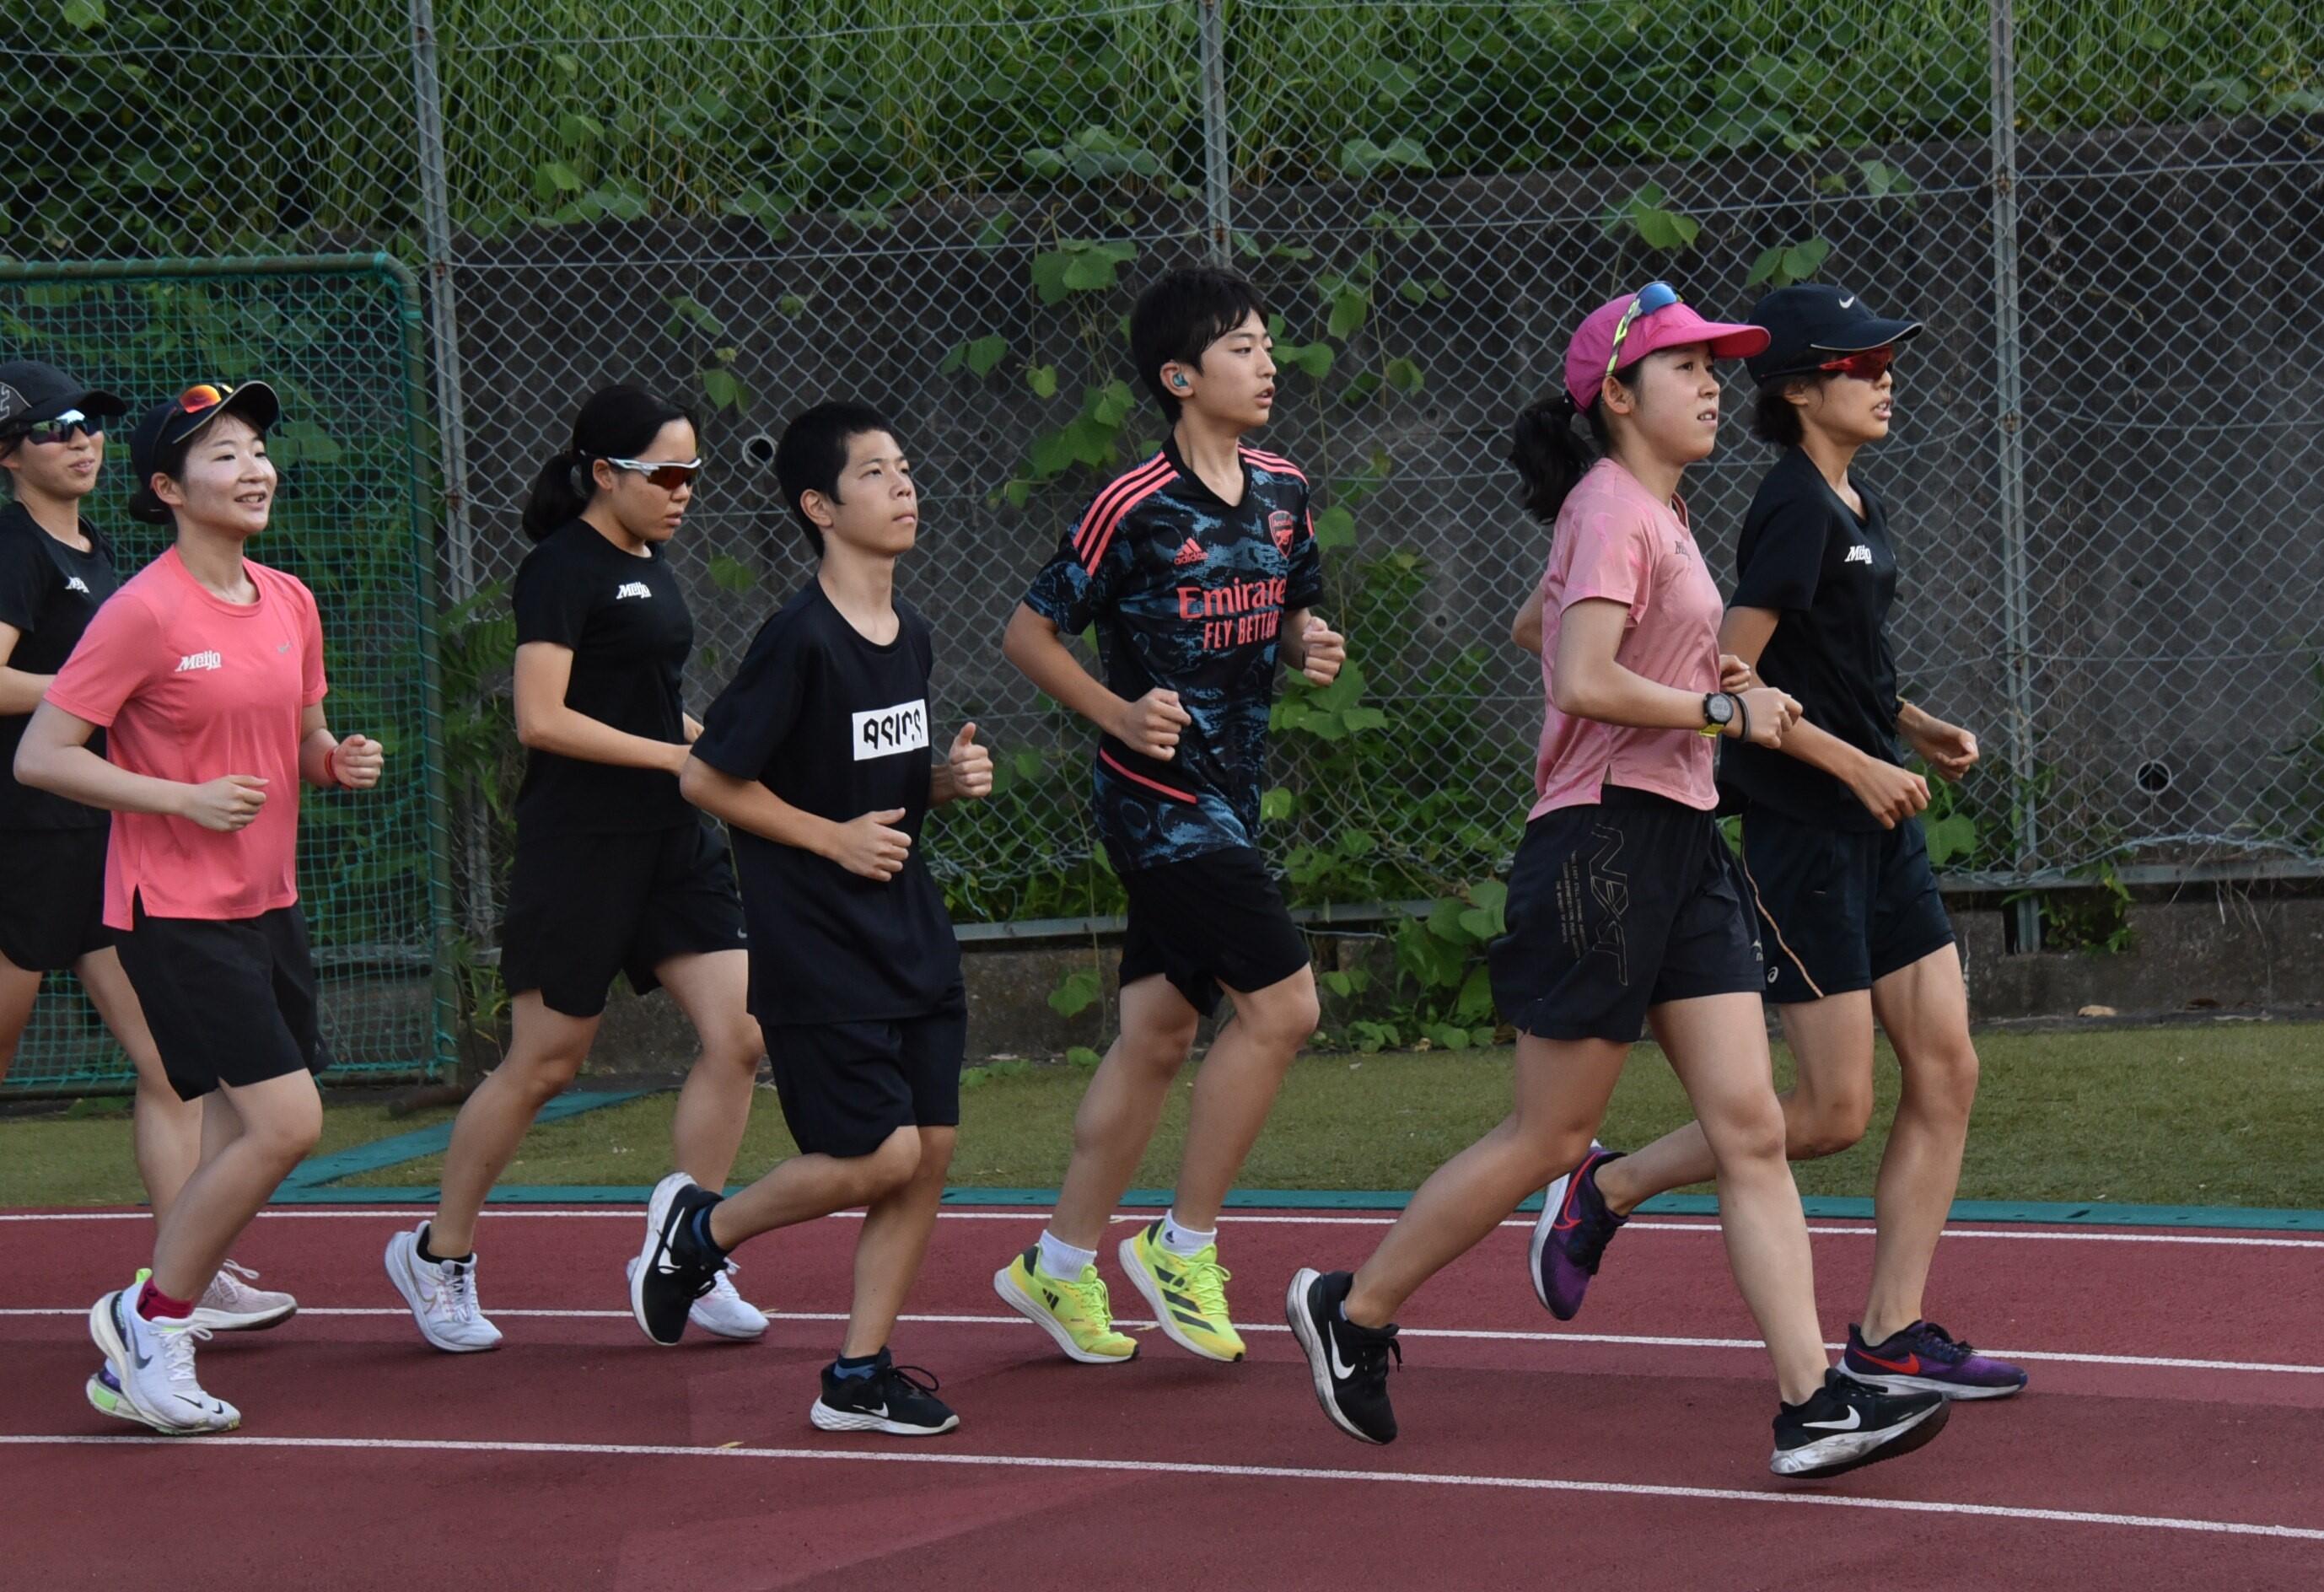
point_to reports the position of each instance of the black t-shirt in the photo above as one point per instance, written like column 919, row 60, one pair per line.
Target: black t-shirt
column 48, row 592
column 626, row 621
column 1188, row 593
column 1804, row 554
column 838, row 726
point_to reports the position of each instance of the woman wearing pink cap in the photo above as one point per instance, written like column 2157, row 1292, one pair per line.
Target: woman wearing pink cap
column 1623, row 908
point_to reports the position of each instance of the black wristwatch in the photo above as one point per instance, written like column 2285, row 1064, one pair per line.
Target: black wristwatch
column 1718, row 712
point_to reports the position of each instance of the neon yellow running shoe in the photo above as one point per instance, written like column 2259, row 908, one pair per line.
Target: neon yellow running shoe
column 1187, row 1292
column 1078, row 1314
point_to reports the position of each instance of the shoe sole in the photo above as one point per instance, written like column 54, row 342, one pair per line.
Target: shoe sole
column 1311, row 1343
column 745, row 1335
column 1152, row 1292
column 122, row 1406
column 220, row 1320
column 397, row 1265
column 826, row 1419
column 1958, row 1392
column 1553, row 1200
column 665, row 1194
column 1004, row 1283
column 1833, row 1455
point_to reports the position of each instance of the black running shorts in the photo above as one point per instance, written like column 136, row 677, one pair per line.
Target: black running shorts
column 52, row 896
column 845, row 1086
column 229, row 1000
column 1213, row 920
column 1841, row 909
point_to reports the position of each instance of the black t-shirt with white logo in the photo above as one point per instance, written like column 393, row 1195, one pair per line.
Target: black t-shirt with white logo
column 48, row 591
column 838, row 726
column 1805, row 555
column 626, row 621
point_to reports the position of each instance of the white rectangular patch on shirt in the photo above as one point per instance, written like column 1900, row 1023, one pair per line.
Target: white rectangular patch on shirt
column 884, row 731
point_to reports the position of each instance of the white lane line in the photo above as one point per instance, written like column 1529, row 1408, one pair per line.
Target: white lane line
column 2230, row 1528
column 1647, row 1225
column 1469, row 1334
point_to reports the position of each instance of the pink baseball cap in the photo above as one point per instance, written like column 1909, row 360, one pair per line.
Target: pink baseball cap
column 1671, row 324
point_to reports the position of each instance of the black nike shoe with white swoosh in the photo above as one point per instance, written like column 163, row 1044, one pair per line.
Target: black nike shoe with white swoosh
column 671, row 1272
column 898, row 1400
column 1349, row 1362
column 1847, row 1423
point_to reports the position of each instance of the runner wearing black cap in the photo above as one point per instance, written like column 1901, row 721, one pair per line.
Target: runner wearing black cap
column 54, row 571
column 1853, row 927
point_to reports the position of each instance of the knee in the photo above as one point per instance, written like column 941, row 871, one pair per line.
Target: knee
column 1827, row 1126
column 286, row 1137
column 740, row 1046
column 936, row 1145
column 1162, row 1048
column 541, row 1078
column 1284, row 1018
column 893, row 1164
column 1749, row 1131
column 1941, row 1078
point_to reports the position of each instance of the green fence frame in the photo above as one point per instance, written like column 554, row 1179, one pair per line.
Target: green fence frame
column 403, row 288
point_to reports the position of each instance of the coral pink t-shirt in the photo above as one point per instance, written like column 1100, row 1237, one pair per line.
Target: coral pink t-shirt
column 1615, row 542
column 191, row 687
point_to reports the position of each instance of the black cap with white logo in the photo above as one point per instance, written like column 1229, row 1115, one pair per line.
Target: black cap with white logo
column 31, row 393
column 1810, row 323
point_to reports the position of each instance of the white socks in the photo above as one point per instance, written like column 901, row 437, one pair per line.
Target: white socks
column 1180, row 1240
column 1061, row 1260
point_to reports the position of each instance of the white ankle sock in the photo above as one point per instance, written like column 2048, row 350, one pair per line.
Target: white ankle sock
column 1183, row 1240
column 1061, row 1260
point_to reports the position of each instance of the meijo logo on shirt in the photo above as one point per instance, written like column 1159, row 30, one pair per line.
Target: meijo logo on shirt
column 636, row 588
column 199, row 661
column 1859, row 554
column 884, row 731
column 73, row 583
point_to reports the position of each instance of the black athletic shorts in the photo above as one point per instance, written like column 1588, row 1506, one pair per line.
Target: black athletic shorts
column 52, row 896
column 1213, row 920
column 1840, row 908
column 229, row 1000
column 583, row 907
column 1616, row 909
column 846, row 1086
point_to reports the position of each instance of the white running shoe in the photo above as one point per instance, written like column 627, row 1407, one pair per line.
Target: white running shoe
column 442, row 1294
column 154, row 1364
column 722, row 1313
column 229, row 1305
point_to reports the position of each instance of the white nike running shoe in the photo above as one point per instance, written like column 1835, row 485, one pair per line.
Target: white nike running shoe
column 442, row 1294
column 154, row 1363
column 230, row 1305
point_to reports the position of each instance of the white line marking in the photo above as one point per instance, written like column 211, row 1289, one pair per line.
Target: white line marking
column 1471, row 1334
column 2231, row 1528
column 1705, row 1224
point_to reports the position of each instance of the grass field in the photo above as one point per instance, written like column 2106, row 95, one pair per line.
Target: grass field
column 2221, row 1114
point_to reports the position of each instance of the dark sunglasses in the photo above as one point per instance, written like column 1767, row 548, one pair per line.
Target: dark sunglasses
column 1869, row 366
column 668, row 476
column 64, row 427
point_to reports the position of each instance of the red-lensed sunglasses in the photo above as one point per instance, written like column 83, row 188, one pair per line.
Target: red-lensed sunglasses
column 667, row 475
column 195, row 401
column 1869, row 365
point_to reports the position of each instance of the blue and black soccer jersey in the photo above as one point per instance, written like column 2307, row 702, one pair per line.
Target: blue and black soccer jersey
column 1188, row 594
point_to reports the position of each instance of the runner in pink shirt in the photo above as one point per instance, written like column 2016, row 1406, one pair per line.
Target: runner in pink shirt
column 206, row 671
column 1623, row 907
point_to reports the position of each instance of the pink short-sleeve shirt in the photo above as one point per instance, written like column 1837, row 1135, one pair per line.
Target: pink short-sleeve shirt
column 1614, row 541
column 191, row 687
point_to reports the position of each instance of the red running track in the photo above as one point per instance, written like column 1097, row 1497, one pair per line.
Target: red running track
column 1534, row 1454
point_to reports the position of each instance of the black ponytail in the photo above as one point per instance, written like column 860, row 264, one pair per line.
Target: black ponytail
column 616, row 423
column 1551, row 454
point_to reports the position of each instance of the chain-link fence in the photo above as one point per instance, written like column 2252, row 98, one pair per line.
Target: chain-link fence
column 2103, row 472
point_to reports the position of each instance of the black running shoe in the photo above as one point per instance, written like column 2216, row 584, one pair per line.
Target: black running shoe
column 898, row 1400
column 1848, row 1423
column 671, row 1273
column 1349, row 1362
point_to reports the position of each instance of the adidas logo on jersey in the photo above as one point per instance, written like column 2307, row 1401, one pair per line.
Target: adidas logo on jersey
column 636, row 588
column 1191, row 553
column 1859, row 554
column 73, row 583
column 199, row 661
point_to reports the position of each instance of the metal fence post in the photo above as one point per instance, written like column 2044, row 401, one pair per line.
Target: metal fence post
column 2008, row 353
column 443, row 320
column 1216, row 145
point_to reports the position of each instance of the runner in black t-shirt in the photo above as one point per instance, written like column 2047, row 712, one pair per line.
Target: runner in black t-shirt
column 818, row 754
column 54, row 572
column 1855, row 930
column 614, row 872
column 1198, row 569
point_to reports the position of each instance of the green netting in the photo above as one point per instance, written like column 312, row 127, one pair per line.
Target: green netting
column 337, row 337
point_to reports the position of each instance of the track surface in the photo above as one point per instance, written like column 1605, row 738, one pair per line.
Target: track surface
column 2172, row 1437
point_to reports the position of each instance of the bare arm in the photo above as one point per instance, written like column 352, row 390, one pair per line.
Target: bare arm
column 1888, row 793
column 1524, row 630
column 865, row 845
column 19, row 693
column 544, row 724
column 54, row 757
column 1587, row 682
column 325, row 761
column 1149, row 725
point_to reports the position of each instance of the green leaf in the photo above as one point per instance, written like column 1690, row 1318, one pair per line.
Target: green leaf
column 1077, row 993
column 1043, row 380
column 1405, row 376
column 1277, row 805
column 1356, row 842
column 730, row 573
column 553, row 177
column 725, row 390
column 1338, row 983
column 1083, row 1057
column 1364, row 718
column 1475, row 1001
column 1953, row 835
column 575, row 128
column 1764, row 268
column 1804, row 260
column 1360, row 157
column 686, row 313
column 1394, row 81
column 1028, row 763
column 1314, row 358
column 1445, row 1036
column 1335, row 527
column 1350, row 307
column 792, row 304
column 995, row 230
column 302, row 442
column 84, row 15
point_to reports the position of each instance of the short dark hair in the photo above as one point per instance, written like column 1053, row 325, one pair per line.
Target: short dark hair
column 1775, row 417
column 1181, row 314
column 813, row 451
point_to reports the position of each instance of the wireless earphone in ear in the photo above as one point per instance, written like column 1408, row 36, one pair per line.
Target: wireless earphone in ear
column 1179, row 382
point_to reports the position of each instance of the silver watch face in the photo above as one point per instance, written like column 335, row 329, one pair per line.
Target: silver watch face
column 1719, row 708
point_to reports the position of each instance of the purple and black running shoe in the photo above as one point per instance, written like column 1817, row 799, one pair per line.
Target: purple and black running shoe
column 1571, row 1233
column 1926, row 1358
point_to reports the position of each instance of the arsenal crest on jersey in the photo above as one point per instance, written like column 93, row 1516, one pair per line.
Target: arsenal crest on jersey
column 1278, row 526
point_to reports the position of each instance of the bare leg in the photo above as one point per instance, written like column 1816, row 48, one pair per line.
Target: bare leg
column 894, row 1241
column 20, row 986
column 1122, row 1107
column 1563, row 1086
column 808, row 1186
column 280, row 1121
column 1718, row 1045
column 172, row 1137
column 545, row 1052
column 1924, row 1008
column 1235, row 1089
column 714, row 990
